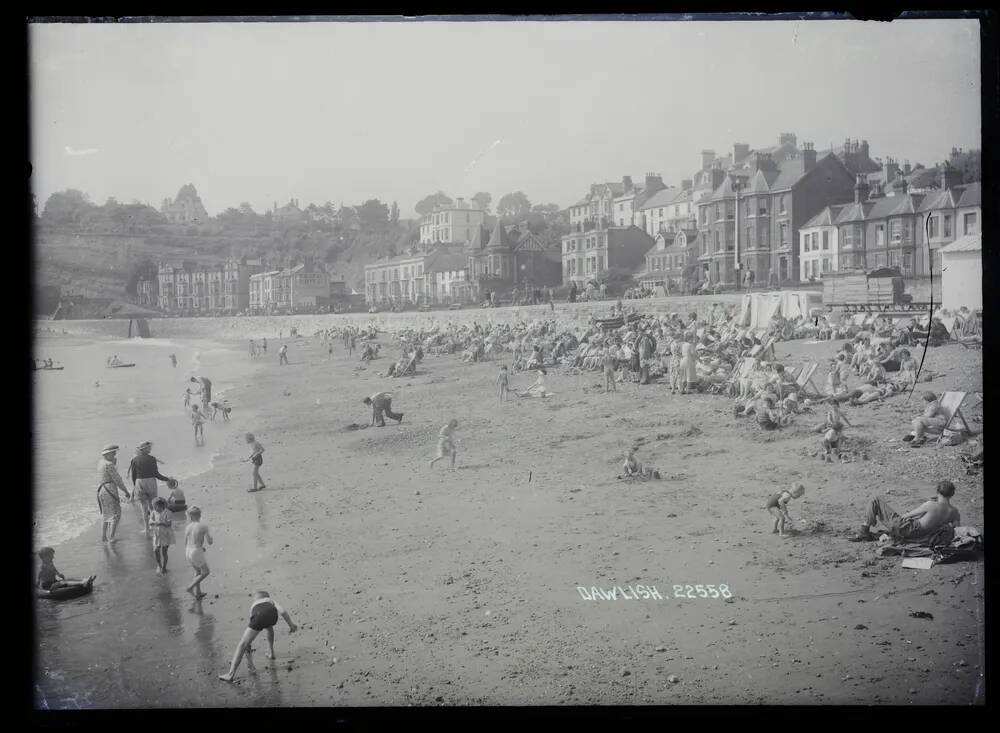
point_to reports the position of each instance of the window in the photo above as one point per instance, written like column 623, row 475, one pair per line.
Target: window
column 716, row 240
column 880, row 235
column 895, row 230
column 826, row 264
column 847, row 236
column 815, row 241
column 749, row 239
column 783, row 230
column 907, row 263
column 782, row 203
column 661, row 212
column 946, row 226
column 969, row 223
column 826, row 240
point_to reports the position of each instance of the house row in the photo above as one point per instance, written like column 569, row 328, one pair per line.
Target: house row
column 504, row 259
column 189, row 286
column 305, row 287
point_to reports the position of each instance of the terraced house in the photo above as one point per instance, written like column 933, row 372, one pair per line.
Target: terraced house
column 776, row 199
column 595, row 245
column 895, row 228
column 452, row 224
column 199, row 288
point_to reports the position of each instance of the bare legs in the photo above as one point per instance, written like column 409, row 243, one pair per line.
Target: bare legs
column 160, row 553
column 108, row 530
column 248, row 636
column 257, row 482
column 199, row 575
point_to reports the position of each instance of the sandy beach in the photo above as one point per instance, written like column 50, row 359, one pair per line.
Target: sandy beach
column 425, row 586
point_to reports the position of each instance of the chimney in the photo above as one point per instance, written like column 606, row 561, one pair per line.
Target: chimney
column 740, row 152
column 686, row 184
column 950, row 177
column 890, row 169
column 906, row 168
column 808, row 156
column 861, row 189
column 864, row 148
column 876, row 191
column 786, row 137
column 654, row 182
column 627, row 183
column 762, row 162
column 717, row 176
column 707, row 156
column 847, row 145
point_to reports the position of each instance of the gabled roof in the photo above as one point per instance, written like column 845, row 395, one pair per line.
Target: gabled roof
column 530, row 242
column 854, row 212
column 826, row 217
column 660, row 198
column 968, row 243
column 972, row 195
column 441, row 261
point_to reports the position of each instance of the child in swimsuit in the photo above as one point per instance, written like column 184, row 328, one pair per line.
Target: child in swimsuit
column 198, row 420
column 264, row 613
column 176, row 501
column 162, row 532
column 777, row 506
column 257, row 459
column 51, row 579
column 446, row 444
column 195, row 536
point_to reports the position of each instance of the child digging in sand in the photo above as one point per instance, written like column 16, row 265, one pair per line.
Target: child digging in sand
column 264, row 614
column 162, row 531
column 194, row 549
column 777, row 506
column 51, row 579
column 446, row 444
column 632, row 468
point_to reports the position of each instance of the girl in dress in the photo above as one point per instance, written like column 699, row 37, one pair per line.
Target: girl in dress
column 162, row 532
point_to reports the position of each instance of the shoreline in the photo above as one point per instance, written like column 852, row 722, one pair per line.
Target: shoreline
column 428, row 587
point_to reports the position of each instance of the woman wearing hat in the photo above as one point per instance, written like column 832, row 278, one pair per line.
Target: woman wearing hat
column 143, row 473
column 110, row 483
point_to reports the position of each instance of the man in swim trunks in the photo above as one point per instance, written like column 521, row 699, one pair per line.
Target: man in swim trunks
column 926, row 519
column 143, row 473
column 264, row 613
column 109, row 484
column 933, row 418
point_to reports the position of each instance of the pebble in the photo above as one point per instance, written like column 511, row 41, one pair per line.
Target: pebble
column 661, row 649
column 625, row 673
column 673, row 679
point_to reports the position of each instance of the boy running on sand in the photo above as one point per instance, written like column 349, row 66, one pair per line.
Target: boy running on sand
column 51, row 579
column 777, row 506
column 264, row 614
column 503, row 382
column 195, row 535
column 446, row 444
column 256, row 457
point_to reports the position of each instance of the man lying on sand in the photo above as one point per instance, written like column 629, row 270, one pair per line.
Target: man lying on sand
column 922, row 522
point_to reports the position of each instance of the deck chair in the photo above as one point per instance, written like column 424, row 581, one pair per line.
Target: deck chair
column 742, row 371
column 410, row 368
column 951, row 406
column 804, row 378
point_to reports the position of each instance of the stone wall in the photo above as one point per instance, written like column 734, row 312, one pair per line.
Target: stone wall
column 569, row 315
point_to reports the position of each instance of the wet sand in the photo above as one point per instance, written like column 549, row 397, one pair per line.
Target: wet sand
column 425, row 586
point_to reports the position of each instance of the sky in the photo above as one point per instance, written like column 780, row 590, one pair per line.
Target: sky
column 347, row 111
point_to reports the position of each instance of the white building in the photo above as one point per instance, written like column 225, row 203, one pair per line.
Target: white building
column 962, row 273
column 454, row 223
column 818, row 244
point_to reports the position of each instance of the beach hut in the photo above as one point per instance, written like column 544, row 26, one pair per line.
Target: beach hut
column 962, row 273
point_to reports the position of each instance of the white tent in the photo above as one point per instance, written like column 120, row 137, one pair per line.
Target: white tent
column 962, row 273
column 757, row 309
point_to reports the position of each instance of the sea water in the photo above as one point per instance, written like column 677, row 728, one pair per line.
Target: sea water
column 79, row 410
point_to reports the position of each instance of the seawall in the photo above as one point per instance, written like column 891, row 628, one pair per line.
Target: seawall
column 568, row 315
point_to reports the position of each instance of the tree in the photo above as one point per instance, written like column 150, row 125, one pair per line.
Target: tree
column 142, row 270
column 426, row 205
column 394, row 213
column 372, row 213
column 246, row 209
column 514, row 206
column 483, row 199
column 66, row 207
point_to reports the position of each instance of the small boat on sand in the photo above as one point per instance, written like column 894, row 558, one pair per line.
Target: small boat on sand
column 119, row 366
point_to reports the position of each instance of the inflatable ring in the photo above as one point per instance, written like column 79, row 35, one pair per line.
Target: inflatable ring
column 64, row 594
column 787, row 332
